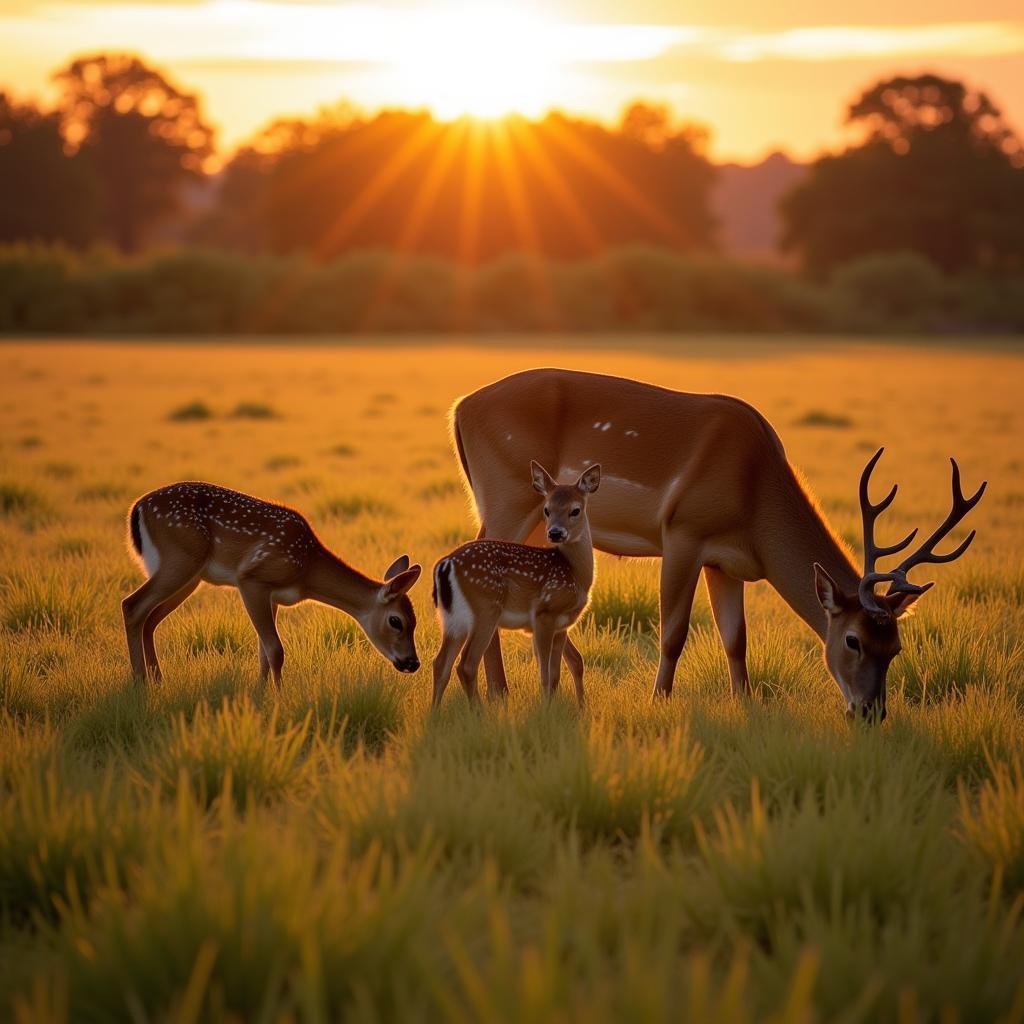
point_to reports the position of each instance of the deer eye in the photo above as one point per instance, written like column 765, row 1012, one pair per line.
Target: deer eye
column 546, row 512
column 395, row 622
column 852, row 642
column 574, row 512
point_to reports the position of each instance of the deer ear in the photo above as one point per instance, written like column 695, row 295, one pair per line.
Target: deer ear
column 400, row 584
column 830, row 597
column 903, row 604
column 400, row 564
column 541, row 478
column 590, row 479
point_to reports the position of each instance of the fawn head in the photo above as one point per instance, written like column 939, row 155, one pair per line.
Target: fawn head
column 390, row 624
column 862, row 636
column 565, row 505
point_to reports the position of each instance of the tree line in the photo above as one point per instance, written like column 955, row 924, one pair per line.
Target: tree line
column 125, row 153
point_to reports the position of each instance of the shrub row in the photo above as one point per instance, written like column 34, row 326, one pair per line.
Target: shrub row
column 45, row 289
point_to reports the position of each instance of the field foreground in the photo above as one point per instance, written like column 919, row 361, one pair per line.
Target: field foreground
column 208, row 849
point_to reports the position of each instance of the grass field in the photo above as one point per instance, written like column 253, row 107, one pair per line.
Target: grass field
column 207, row 849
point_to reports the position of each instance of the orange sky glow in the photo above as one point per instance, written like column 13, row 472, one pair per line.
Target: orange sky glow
column 760, row 78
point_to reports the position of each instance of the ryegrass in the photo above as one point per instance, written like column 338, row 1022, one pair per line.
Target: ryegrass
column 211, row 848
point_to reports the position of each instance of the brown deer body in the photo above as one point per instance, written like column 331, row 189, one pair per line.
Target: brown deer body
column 703, row 482
column 485, row 585
column 191, row 532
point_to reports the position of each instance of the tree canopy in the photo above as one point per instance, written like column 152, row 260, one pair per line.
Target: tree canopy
column 47, row 195
column 143, row 136
column 937, row 172
column 467, row 190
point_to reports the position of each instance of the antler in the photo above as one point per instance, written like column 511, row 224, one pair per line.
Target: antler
column 925, row 554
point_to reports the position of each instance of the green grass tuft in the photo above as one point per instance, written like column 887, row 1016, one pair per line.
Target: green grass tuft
column 197, row 410
column 255, row 411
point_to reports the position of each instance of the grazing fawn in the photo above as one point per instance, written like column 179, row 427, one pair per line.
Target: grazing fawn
column 187, row 533
column 487, row 585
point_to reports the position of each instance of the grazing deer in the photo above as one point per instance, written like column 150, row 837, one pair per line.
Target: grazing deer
column 187, row 533
column 703, row 482
column 487, row 585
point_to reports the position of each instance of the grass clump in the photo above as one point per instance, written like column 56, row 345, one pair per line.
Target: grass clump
column 824, row 418
column 190, row 411
column 233, row 752
column 347, row 507
column 992, row 824
column 17, row 498
column 254, row 411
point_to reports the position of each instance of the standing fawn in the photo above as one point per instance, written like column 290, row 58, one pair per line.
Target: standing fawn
column 487, row 585
column 191, row 532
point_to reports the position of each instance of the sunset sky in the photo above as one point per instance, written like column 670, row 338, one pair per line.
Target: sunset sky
column 761, row 76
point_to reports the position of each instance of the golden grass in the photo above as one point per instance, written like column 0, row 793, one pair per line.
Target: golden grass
column 211, row 850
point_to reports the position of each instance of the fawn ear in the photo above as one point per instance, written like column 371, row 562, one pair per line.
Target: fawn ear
column 590, row 479
column 541, row 478
column 400, row 584
column 903, row 604
column 398, row 565
column 829, row 595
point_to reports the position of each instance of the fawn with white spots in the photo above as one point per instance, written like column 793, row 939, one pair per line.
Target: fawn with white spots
column 188, row 533
column 487, row 585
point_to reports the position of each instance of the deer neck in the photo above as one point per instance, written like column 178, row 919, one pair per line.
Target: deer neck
column 331, row 581
column 793, row 539
column 580, row 556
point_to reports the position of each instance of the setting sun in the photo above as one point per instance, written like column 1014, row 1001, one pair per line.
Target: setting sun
column 484, row 61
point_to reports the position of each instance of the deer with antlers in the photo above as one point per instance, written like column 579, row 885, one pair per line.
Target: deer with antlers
column 190, row 532
column 487, row 585
column 703, row 482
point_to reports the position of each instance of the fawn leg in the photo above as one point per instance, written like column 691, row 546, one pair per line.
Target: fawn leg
column 574, row 660
column 264, row 660
column 444, row 661
column 260, row 607
column 156, row 616
column 136, row 608
column 485, row 628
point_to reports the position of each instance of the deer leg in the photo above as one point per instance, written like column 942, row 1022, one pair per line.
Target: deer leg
column 485, row 628
column 680, row 570
column 137, row 607
column 543, row 642
column 726, row 596
column 574, row 660
column 156, row 616
column 555, row 667
column 444, row 661
column 515, row 526
column 264, row 660
column 260, row 607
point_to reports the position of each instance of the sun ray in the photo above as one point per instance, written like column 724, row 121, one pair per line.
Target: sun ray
column 404, row 245
column 377, row 187
column 526, row 228
column 554, row 181
column 586, row 231
column 613, row 179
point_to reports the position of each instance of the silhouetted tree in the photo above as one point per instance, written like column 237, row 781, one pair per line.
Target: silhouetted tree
column 144, row 137
column 469, row 191
column 939, row 172
column 45, row 194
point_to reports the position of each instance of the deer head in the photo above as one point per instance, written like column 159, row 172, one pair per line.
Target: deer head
column 862, row 635
column 565, row 505
column 390, row 623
